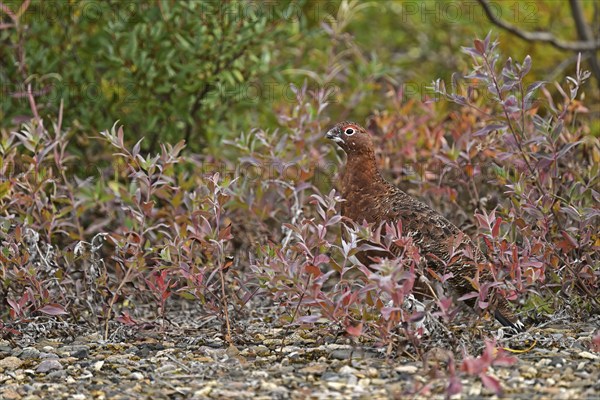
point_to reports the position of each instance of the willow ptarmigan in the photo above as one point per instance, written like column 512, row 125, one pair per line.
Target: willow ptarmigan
column 368, row 197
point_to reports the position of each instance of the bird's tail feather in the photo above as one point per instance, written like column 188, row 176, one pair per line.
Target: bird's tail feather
column 506, row 317
column 516, row 325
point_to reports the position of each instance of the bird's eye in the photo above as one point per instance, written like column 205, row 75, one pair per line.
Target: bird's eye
column 349, row 131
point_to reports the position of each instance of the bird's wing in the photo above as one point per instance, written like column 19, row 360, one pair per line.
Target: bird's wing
column 430, row 230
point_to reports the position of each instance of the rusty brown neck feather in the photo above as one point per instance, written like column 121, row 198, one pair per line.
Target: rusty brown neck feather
column 362, row 183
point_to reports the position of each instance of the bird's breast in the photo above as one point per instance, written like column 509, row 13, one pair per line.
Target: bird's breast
column 362, row 206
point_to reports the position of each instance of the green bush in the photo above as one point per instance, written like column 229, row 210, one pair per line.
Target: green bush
column 169, row 70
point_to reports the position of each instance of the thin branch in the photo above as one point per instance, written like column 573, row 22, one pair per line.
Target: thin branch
column 33, row 105
column 287, row 328
column 6, row 10
column 228, row 337
column 585, row 33
column 114, row 298
column 544, row 37
column 22, row 9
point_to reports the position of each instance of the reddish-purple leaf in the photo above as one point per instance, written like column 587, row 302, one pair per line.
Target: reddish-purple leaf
column 15, row 306
column 454, row 386
column 502, row 360
column 535, row 86
column 526, row 66
column 489, row 128
column 355, row 330
column 496, row 228
column 468, row 296
column 491, row 383
column 313, row 270
column 126, row 319
column 570, row 239
column 321, row 259
column 479, row 46
column 471, row 51
column 596, row 343
column 473, row 366
column 486, row 41
column 53, row 309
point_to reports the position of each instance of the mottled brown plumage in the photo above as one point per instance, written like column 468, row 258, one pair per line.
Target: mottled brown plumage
column 369, row 197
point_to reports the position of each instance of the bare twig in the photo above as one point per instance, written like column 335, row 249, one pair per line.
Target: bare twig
column 585, row 33
column 544, row 37
column 287, row 328
column 114, row 298
column 511, row 128
column 23, row 8
column 33, row 105
column 6, row 10
column 228, row 337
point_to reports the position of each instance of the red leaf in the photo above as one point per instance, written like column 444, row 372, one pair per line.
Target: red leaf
column 479, row 46
column 468, row 296
column 15, row 306
column 225, row 234
column 147, row 207
column 472, row 366
column 496, row 228
column 488, row 243
column 355, row 331
column 313, row 270
column 491, row 383
column 454, row 387
column 469, row 170
column 570, row 239
column 504, row 361
column 564, row 246
column 53, row 309
column 482, row 221
column 126, row 319
column 321, row 259
column 596, row 343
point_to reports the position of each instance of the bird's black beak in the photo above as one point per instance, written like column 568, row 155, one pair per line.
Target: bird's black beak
column 334, row 134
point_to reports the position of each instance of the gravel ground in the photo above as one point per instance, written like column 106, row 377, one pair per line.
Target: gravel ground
column 193, row 361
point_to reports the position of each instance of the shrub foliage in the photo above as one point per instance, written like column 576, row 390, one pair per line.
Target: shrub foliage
column 93, row 227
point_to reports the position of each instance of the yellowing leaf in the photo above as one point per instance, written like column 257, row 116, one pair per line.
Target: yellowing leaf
column 5, row 188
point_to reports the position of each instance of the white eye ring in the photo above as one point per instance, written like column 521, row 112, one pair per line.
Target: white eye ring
column 349, row 131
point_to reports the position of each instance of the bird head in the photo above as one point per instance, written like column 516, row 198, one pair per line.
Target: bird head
column 351, row 137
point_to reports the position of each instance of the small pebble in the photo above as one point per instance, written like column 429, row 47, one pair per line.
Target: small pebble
column 588, row 355
column 48, row 365
column 10, row 363
column 409, row 369
column 30, row 353
column 138, row 376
